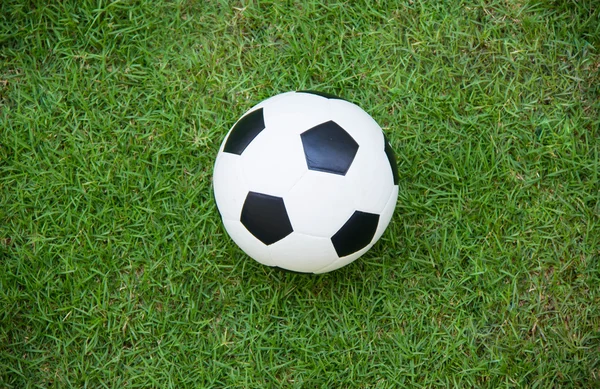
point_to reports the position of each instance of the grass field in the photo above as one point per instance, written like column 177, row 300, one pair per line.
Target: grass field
column 115, row 269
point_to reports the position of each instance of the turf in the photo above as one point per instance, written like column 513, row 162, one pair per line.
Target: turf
column 115, row 270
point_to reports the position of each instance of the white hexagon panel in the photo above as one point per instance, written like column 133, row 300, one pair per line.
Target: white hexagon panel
column 305, row 181
column 274, row 162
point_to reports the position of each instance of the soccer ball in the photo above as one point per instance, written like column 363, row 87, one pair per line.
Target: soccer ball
column 305, row 181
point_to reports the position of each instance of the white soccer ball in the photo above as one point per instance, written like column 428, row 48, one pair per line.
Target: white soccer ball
column 306, row 182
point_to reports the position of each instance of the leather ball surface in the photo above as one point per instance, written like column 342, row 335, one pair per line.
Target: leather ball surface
column 305, row 181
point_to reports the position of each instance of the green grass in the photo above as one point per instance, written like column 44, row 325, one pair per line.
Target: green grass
column 115, row 270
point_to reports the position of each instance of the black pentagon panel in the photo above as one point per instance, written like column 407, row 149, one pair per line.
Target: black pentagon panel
column 265, row 217
column 392, row 160
column 322, row 94
column 356, row 234
column 329, row 148
column 244, row 131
